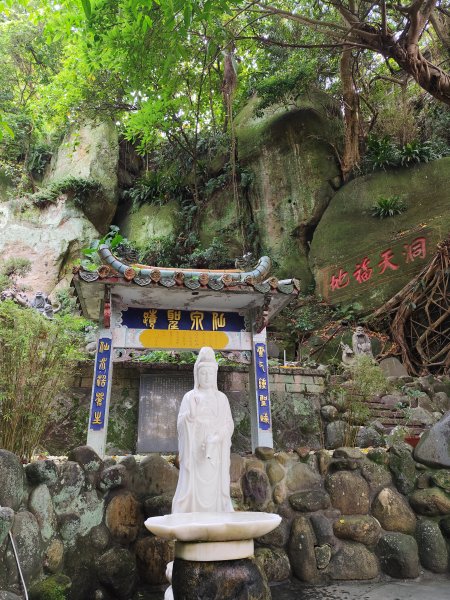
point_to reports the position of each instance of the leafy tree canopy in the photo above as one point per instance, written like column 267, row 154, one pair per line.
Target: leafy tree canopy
column 175, row 70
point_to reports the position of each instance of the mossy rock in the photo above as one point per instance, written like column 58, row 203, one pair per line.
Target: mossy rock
column 348, row 233
column 295, row 174
column 150, row 222
column 91, row 152
column 5, row 186
column 56, row 587
column 123, row 422
column 220, row 220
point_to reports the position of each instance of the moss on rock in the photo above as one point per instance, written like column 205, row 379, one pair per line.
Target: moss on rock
column 56, row 587
column 295, row 171
column 347, row 232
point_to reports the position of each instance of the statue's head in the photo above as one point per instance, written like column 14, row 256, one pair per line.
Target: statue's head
column 359, row 330
column 205, row 369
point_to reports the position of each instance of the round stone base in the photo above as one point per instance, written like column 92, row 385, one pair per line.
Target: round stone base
column 221, row 580
column 212, row 551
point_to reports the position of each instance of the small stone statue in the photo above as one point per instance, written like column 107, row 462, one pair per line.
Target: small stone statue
column 42, row 304
column 348, row 356
column 361, row 343
column 39, row 301
column 205, row 426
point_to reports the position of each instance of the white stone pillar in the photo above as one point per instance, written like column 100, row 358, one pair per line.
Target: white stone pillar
column 260, row 414
column 101, row 393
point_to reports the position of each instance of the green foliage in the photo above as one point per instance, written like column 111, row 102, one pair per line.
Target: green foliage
column 156, row 187
column 55, row 587
column 383, row 153
column 216, row 256
column 67, row 302
column 38, row 158
column 417, row 152
column 113, row 239
column 80, row 190
column 36, row 358
column 11, row 270
column 180, row 252
column 367, row 380
column 388, row 207
column 163, row 356
column 284, row 88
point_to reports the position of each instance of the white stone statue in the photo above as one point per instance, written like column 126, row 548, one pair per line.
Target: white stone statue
column 205, row 426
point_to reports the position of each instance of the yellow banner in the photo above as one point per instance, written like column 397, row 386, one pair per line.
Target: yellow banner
column 158, row 338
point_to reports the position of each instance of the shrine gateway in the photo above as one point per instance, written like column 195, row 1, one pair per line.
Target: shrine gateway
column 140, row 307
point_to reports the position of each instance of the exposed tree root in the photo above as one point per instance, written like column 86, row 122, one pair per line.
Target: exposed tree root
column 419, row 317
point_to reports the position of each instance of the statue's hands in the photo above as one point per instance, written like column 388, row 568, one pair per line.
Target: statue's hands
column 211, row 439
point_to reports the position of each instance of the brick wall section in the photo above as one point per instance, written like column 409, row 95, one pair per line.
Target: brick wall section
column 296, row 380
column 231, row 378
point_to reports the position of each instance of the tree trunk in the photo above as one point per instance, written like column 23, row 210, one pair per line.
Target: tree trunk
column 430, row 77
column 441, row 25
column 350, row 99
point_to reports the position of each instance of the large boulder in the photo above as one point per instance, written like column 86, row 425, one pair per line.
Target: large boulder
column 432, row 546
column 50, row 237
column 41, row 471
column 27, row 538
column 403, row 467
column 153, row 554
column 149, row 221
column 309, row 501
column 12, row 478
column 348, row 235
column 353, row 561
column 91, row 152
column 301, row 477
column 349, row 492
column 156, row 476
column 40, row 504
column 301, row 550
column 434, row 446
column 274, row 562
column 225, row 579
column 54, row 587
column 123, row 516
column 116, row 569
column 256, row 488
column 398, row 555
column 358, row 528
column 295, row 174
column 6, row 521
column 430, row 502
column 393, row 512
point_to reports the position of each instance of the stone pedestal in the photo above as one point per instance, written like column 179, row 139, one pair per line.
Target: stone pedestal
column 218, row 580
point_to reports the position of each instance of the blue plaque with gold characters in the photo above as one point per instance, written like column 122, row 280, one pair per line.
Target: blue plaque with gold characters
column 182, row 320
column 101, row 382
column 262, row 385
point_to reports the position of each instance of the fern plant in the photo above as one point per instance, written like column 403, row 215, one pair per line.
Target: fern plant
column 388, row 207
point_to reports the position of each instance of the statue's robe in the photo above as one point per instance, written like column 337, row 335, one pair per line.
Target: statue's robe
column 204, row 482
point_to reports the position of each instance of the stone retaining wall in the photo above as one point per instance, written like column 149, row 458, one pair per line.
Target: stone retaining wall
column 346, row 515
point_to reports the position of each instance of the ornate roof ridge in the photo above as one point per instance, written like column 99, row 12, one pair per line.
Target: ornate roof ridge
column 256, row 275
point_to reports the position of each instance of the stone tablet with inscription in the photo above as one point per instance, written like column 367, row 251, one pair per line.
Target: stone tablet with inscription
column 159, row 401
